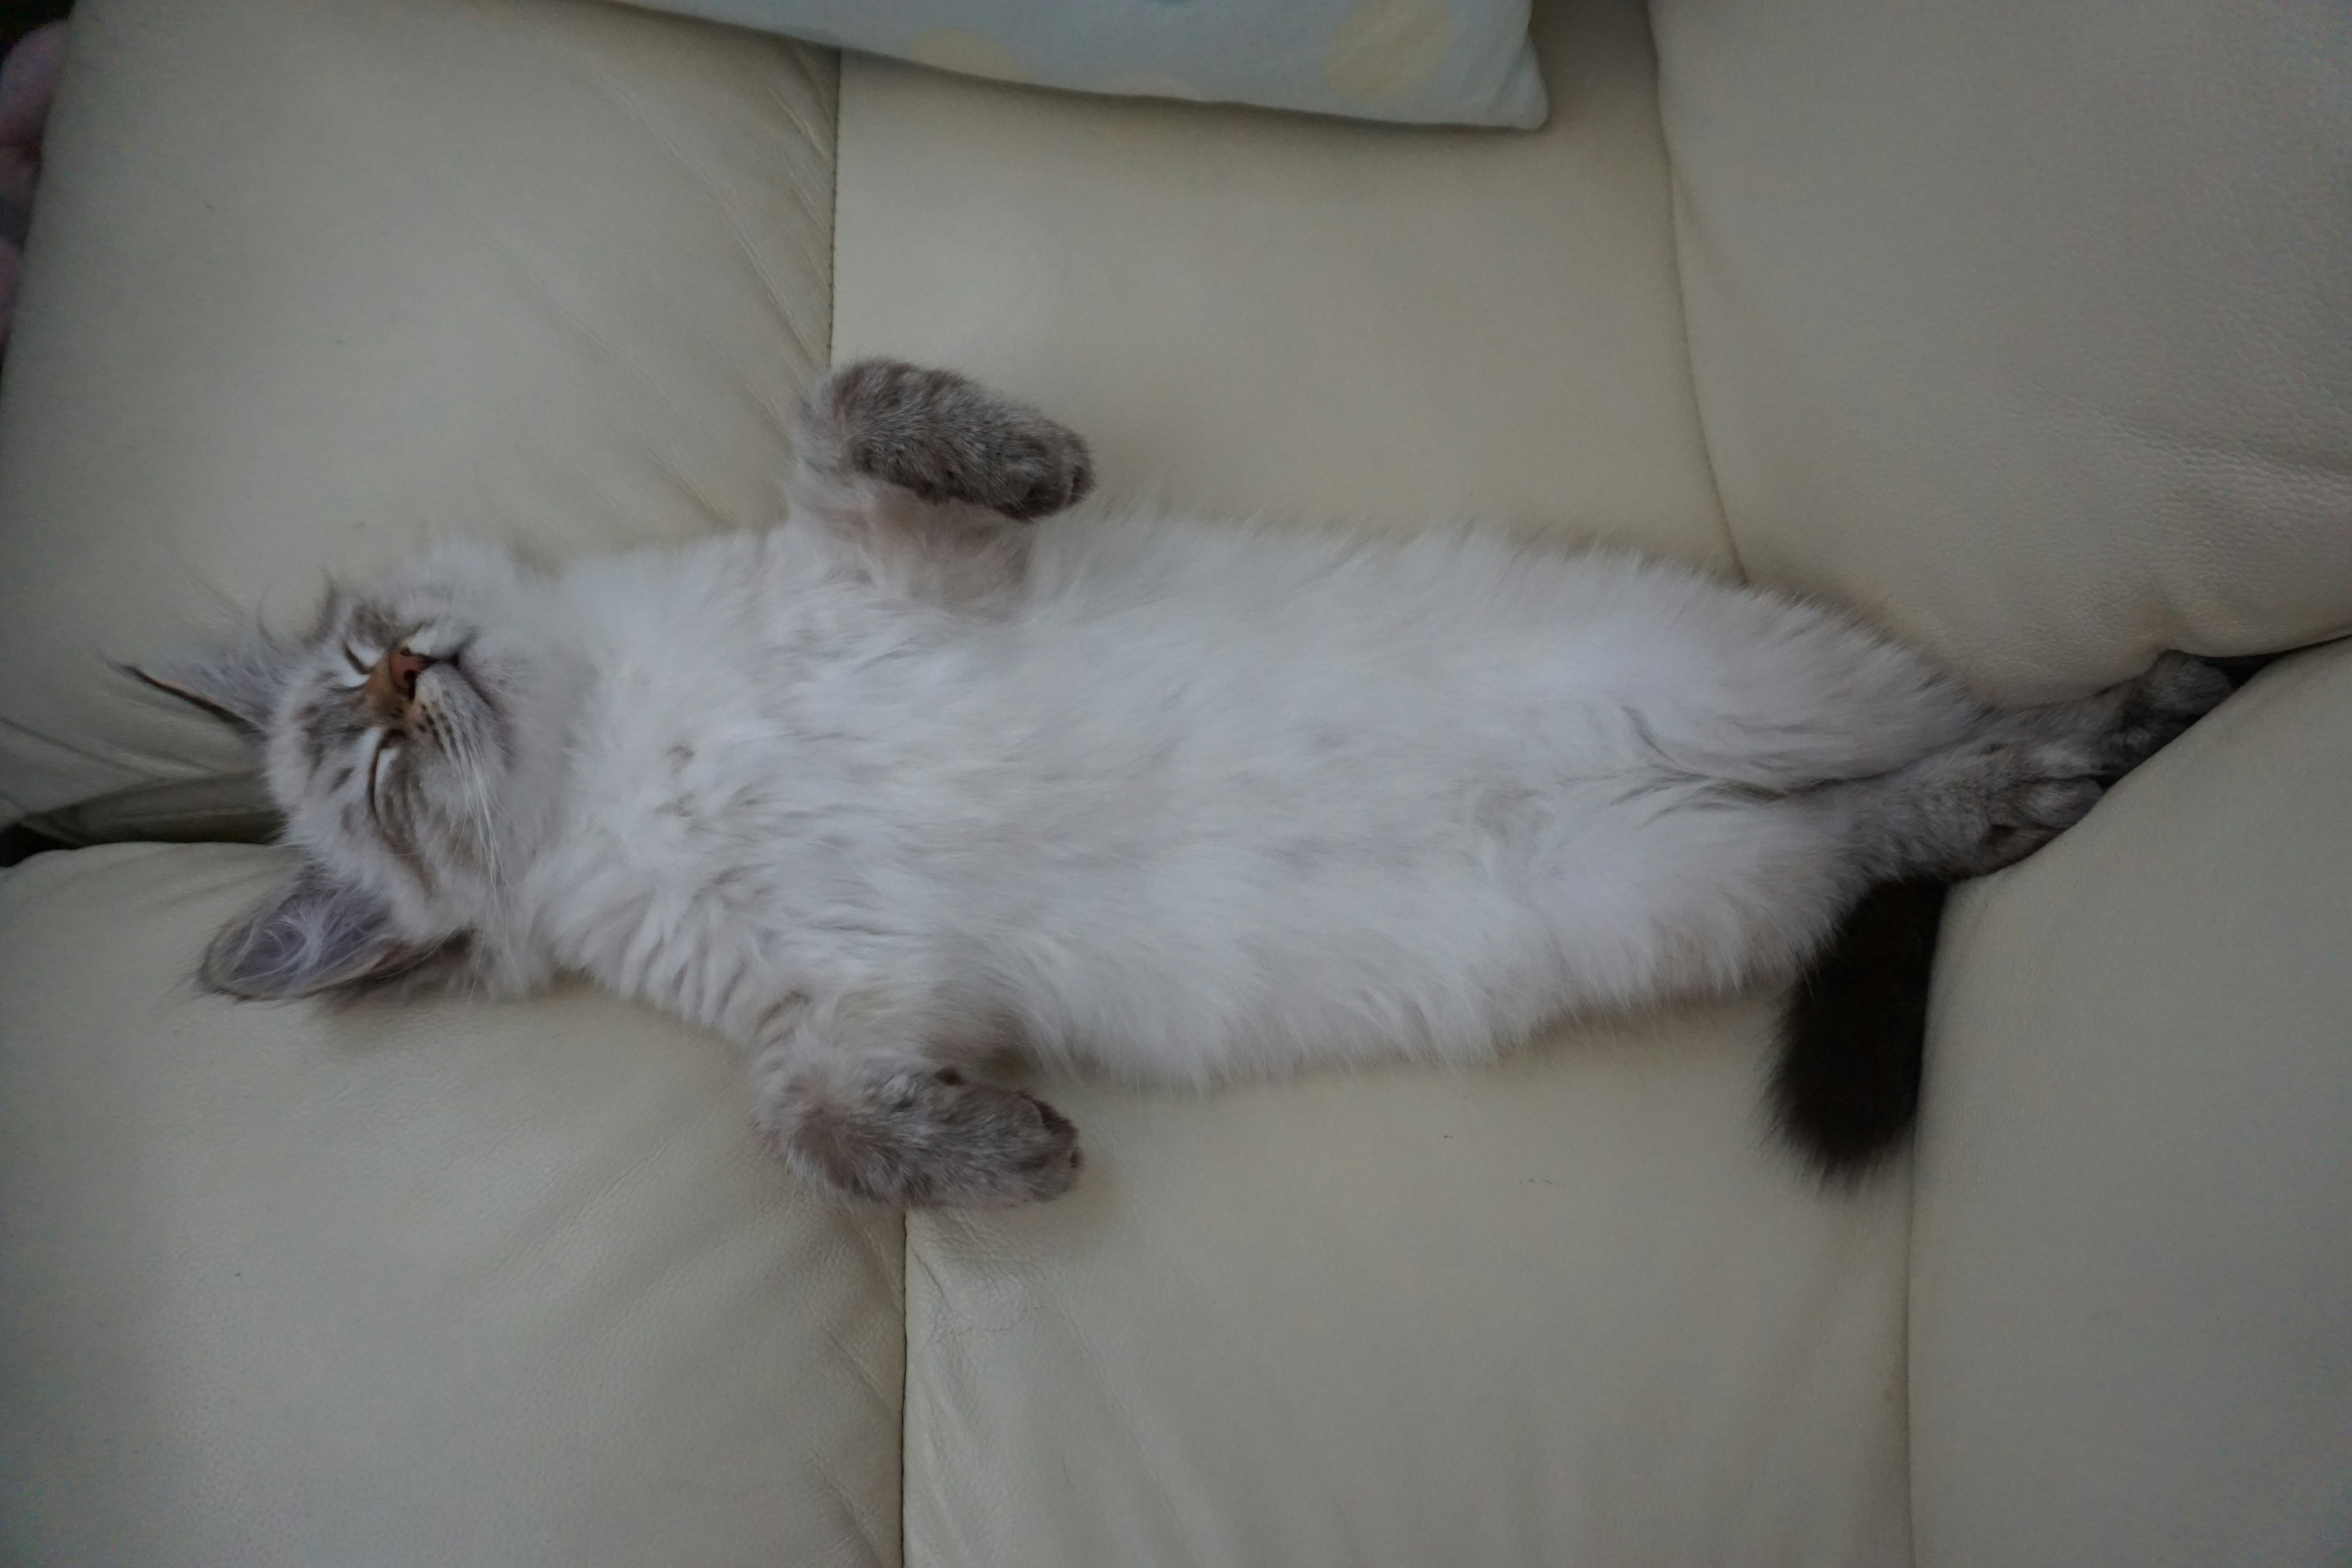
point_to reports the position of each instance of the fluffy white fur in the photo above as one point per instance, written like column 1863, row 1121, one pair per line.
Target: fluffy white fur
column 1211, row 799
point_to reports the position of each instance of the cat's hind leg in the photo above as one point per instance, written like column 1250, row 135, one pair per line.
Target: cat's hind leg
column 1846, row 1088
column 1977, row 806
column 2128, row 723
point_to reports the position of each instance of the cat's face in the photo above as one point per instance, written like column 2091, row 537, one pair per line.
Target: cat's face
column 404, row 737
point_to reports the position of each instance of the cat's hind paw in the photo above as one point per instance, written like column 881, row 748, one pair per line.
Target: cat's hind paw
column 2173, row 692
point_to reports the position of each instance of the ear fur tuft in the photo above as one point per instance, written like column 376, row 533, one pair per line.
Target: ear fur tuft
column 313, row 934
column 240, row 683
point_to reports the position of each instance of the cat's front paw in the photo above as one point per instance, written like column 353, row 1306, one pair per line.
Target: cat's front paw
column 920, row 1139
column 945, row 438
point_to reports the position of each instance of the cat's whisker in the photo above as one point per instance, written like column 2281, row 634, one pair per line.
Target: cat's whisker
column 465, row 759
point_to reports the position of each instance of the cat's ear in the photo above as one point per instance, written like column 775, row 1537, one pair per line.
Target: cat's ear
column 240, row 683
column 313, row 934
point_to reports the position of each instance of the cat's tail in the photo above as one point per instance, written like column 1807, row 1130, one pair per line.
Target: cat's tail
column 1845, row 1090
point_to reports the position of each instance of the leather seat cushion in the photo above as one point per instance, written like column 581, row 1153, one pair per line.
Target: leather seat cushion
column 1573, row 1309
column 2130, row 1266
column 407, row 1284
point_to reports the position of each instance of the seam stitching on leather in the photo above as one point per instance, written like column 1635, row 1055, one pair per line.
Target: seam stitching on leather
column 18, row 806
column 1675, row 225
column 1902, row 1362
column 833, row 230
column 1682, row 302
column 905, row 1230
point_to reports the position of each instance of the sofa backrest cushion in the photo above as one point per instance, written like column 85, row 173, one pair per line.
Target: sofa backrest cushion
column 310, row 283
column 1437, row 62
column 2027, row 327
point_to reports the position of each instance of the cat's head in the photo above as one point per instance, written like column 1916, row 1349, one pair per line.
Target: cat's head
column 408, row 738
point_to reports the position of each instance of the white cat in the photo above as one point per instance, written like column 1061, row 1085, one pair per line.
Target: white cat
column 908, row 781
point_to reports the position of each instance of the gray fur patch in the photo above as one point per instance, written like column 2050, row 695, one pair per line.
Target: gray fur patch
column 312, row 934
column 943, row 437
column 920, row 1139
column 1986, row 804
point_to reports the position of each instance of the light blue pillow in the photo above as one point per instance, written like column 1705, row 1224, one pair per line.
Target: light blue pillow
column 1457, row 62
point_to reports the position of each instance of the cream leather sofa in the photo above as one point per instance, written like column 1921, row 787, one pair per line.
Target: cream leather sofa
column 2025, row 328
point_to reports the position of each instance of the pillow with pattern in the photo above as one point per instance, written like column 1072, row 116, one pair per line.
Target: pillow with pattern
column 1446, row 62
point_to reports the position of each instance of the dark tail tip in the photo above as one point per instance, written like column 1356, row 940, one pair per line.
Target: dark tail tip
column 2243, row 667
column 1845, row 1091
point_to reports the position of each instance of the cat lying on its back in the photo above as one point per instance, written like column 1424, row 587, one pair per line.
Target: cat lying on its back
column 908, row 780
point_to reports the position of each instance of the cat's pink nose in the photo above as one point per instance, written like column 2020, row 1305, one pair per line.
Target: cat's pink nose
column 406, row 666
column 392, row 684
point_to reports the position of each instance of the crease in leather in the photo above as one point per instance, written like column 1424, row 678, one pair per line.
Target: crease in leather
column 17, row 730
column 1676, row 209
column 145, row 803
column 909, row 1258
column 1125, row 1425
column 906, row 1257
column 1903, row 1328
column 228, row 809
column 873, row 1385
column 845, row 1500
column 1797, row 1362
column 814, row 64
column 2263, row 456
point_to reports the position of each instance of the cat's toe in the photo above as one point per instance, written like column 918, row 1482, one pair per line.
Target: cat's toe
column 1031, row 1154
column 2184, row 683
column 2047, row 805
column 2176, row 692
column 2040, row 791
column 1051, row 474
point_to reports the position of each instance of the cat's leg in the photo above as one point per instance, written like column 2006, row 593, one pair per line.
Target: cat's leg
column 1846, row 1087
column 884, row 1121
column 2129, row 722
column 923, row 476
column 881, row 442
column 1966, row 811
column 1712, row 886
column 1989, row 801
